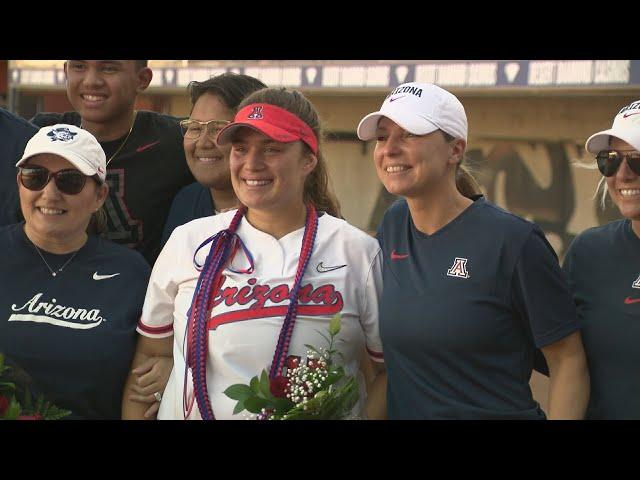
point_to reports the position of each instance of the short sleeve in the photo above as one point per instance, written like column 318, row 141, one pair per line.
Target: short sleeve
column 370, row 316
column 540, row 292
column 157, row 313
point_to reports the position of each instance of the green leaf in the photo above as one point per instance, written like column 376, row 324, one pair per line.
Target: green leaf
column 283, row 405
column 334, row 325
column 55, row 413
column 13, row 410
column 264, row 386
column 255, row 404
column 39, row 404
column 239, row 407
column 238, row 391
column 255, row 385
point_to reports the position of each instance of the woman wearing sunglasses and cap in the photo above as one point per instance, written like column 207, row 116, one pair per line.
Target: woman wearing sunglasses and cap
column 603, row 267
column 469, row 289
column 245, row 290
column 70, row 300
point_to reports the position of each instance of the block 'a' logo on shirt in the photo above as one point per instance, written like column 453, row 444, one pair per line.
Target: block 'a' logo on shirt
column 636, row 284
column 256, row 113
column 459, row 268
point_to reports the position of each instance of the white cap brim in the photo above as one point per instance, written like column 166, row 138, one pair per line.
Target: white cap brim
column 600, row 141
column 79, row 162
column 411, row 123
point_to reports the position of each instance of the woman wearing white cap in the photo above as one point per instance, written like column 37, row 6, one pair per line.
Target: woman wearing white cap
column 468, row 287
column 70, row 300
column 603, row 267
column 245, row 290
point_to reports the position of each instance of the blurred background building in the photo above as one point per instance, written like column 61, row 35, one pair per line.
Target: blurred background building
column 528, row 121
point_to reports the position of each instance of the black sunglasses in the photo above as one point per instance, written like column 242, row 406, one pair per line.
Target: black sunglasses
column 69, row 181
column 610, row 160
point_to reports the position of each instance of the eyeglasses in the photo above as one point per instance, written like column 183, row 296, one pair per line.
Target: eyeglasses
column 69, row 181
column 610, row 160
column 193, row 129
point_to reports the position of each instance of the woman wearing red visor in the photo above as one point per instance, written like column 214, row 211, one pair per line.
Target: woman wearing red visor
column 245, row 290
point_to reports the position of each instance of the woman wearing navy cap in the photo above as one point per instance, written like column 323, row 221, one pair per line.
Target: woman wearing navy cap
column 469, row 288
column 603, row 267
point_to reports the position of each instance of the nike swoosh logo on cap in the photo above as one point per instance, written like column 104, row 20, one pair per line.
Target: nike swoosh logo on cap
column 630, row 114
column 147, row 146
column 322, row 269
column 103, row 277
column 396, row 98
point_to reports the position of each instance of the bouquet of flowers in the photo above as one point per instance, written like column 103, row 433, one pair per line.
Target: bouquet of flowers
column 29, row 409
column 319, row 389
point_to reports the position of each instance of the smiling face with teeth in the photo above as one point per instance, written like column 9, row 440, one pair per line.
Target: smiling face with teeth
column 268, row 175
column 54, row 219
column 209, row 162
column 624, row 186
column 104, row 92
column 410, row 165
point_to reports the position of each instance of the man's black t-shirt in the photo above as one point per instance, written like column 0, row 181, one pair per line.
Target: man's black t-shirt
column 143, row 178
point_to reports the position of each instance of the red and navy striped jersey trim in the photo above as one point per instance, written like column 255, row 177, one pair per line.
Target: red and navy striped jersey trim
column 155, row 330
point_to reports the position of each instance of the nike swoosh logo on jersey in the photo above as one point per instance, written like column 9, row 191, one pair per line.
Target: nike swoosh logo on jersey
column 103, row 277
column 630, row 114
column 147, row 146
column 629, row 300
column 397, row 256
column 396, row 98
column 322, row 269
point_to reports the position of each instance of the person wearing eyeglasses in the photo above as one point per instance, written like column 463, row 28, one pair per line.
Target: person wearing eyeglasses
column 245, row 290
column 470, row 290
column 603, row 268
column 214, row 103
column 69, row 301
column 145, row 161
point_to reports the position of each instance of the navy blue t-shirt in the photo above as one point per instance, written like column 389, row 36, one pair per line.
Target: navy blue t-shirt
column 191, row 202
column 74, row 334
column 464, row 309
column 603, row 269
column 15, row 132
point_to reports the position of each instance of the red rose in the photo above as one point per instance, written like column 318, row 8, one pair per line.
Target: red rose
column 4, row 404
column 278, row 386
column 292, row 362
column 35, row 416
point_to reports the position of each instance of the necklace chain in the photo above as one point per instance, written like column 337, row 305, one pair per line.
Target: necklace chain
column 135, row 114
column 54, row 272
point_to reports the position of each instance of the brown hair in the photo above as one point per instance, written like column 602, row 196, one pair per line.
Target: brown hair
column 465, row 182
column 230, row 87
column 316, row 186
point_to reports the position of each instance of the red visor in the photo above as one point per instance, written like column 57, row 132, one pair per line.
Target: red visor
column 274, row 122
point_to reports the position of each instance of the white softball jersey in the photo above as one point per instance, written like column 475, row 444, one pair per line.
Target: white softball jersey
column 344, row 275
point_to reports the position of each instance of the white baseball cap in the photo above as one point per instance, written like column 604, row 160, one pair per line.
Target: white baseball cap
column 419, row 108
column 71, row 143
column 626, row 127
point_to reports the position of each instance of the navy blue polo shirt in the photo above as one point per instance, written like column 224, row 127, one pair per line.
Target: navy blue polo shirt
column 191, row 202
column 463, row 311
column 73, row 334
column 15, row 132
column 603, row 269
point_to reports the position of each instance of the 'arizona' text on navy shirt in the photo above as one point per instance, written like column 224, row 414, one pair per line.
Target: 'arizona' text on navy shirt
column 74, row 334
